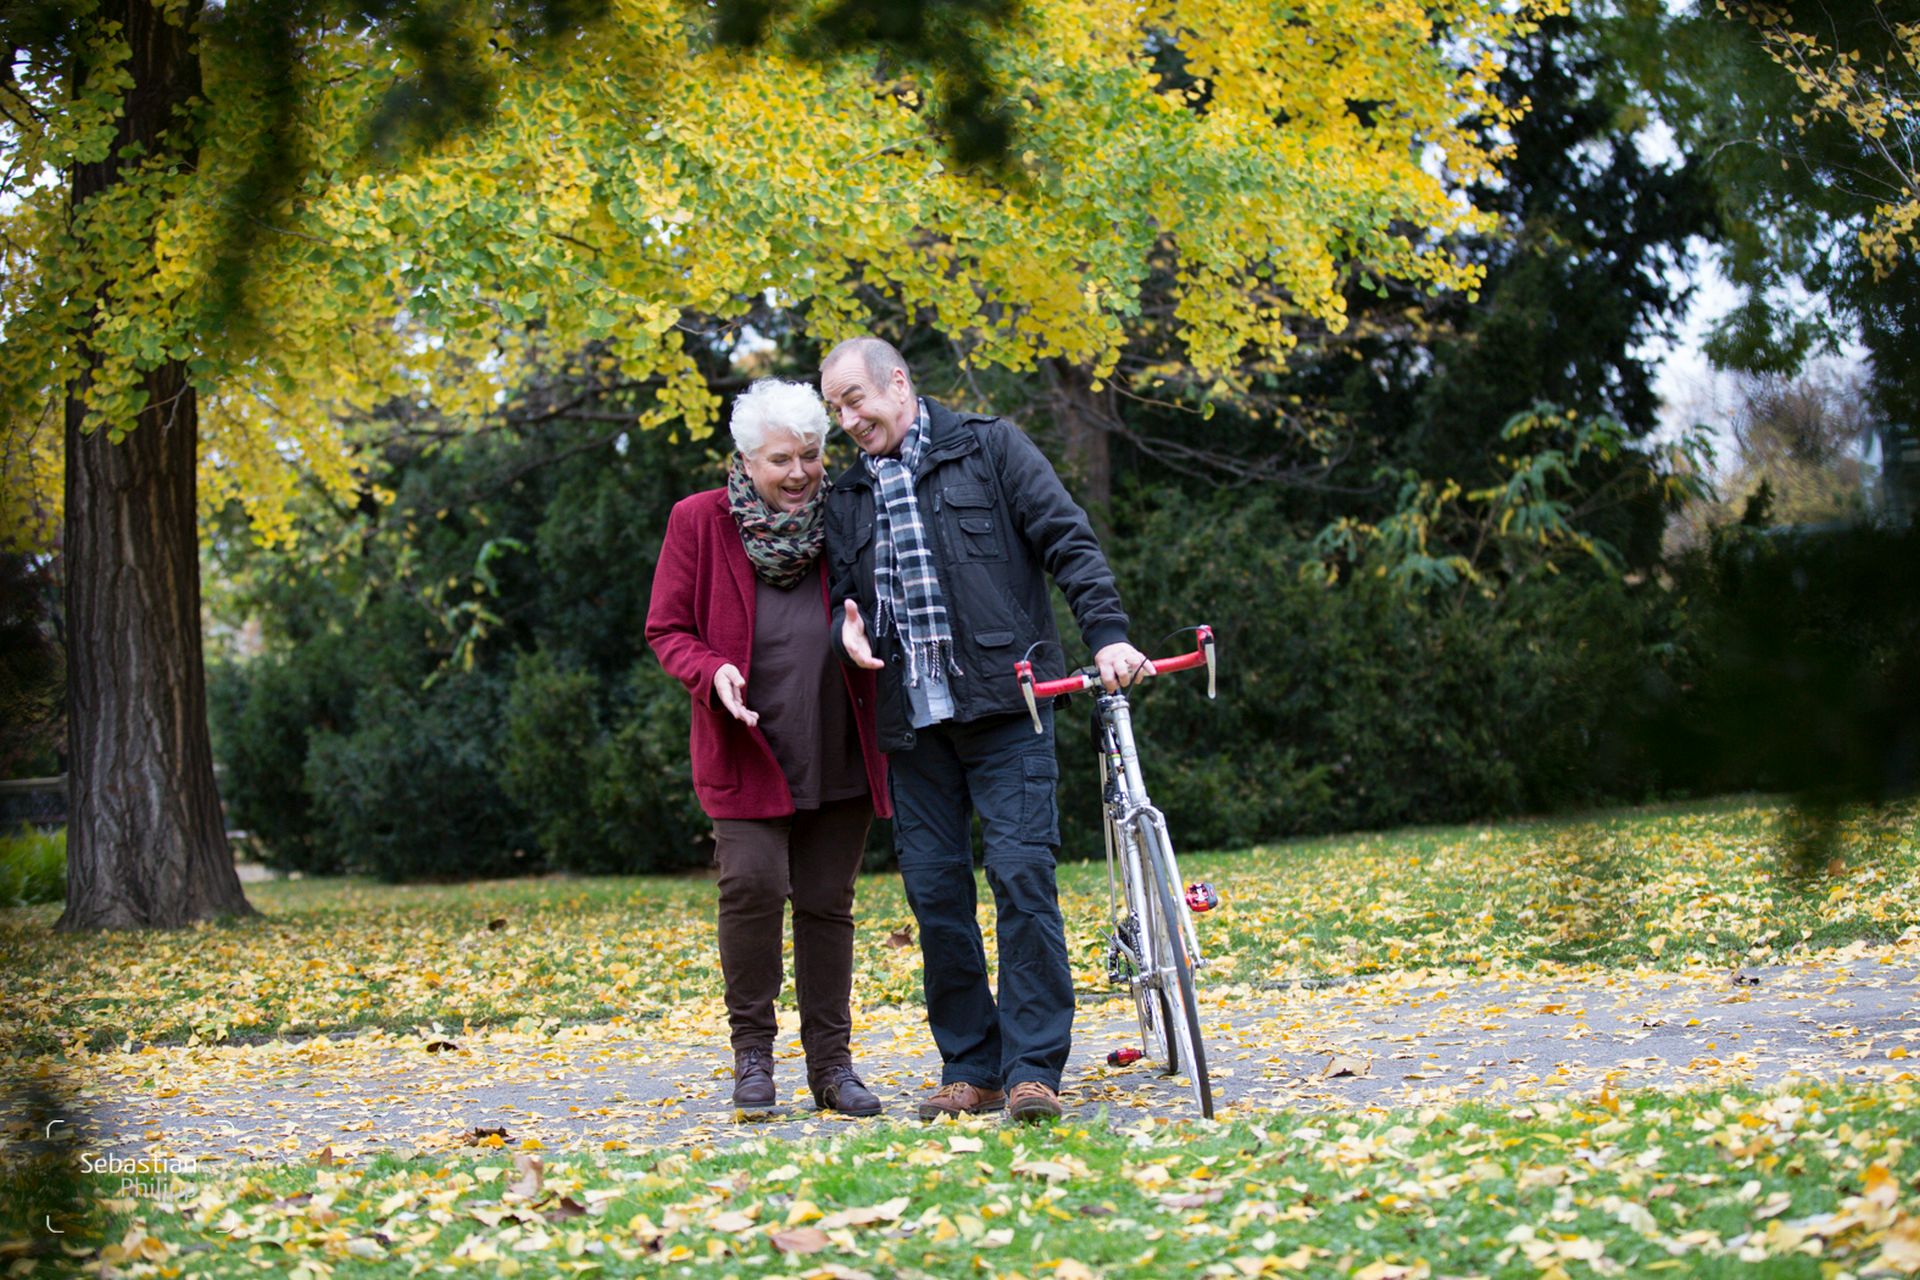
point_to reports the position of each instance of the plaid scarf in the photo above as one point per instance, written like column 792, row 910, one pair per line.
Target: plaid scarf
column 781, row 544
column 908, row 590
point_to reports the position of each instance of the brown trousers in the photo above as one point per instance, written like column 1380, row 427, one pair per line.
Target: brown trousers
column 811, row 858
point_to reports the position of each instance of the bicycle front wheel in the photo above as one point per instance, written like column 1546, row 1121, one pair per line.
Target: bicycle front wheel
column 1172, row 966
column 1135, row 938
column 1128, row 944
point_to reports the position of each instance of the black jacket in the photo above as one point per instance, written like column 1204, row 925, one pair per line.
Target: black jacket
column 998, row 521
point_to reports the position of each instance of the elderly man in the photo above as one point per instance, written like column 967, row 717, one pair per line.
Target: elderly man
column 937, row 540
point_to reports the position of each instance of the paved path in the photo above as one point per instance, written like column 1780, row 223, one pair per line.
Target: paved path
column 1382, row 1042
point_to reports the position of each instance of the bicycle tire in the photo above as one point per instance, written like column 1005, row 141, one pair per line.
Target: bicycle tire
column 1149, row 1003
column 1186, row 1050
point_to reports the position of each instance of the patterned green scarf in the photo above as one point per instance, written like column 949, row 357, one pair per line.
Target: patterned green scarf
column 782, row 545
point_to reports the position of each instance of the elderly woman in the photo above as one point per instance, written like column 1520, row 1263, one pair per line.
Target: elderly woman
column 785, row 760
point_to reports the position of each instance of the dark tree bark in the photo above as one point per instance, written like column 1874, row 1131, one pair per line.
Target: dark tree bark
column 1084, row 417
column 146, row 844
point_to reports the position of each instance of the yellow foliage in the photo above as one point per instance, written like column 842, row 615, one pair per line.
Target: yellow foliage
column 1876, row 101
column 637, row 183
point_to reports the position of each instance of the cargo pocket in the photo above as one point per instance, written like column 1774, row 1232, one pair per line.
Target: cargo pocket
column 1040, row 806
column 974, row 530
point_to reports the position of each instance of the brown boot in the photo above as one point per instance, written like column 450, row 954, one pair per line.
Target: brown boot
column 961, row 1098
column 839, row 1089
column 1031, row 1100
column 753, row 1078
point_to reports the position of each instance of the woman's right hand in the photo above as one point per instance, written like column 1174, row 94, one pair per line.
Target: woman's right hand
column 731, row 688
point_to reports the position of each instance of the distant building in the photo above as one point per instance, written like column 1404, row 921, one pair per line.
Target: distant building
column 1899, row 495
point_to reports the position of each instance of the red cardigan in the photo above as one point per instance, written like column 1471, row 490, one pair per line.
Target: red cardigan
column 700, row 618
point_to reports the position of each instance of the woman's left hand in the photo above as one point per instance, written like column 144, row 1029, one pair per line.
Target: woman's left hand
column 731, row 688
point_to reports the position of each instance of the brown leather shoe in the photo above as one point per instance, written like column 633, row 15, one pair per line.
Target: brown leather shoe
column 961, row 1098
column 840, row 1089
column 1031, row 1100
column 753, row 1079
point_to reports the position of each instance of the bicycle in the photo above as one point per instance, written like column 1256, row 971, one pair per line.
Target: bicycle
column 1152, row 948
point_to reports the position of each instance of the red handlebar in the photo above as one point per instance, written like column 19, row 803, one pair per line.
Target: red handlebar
column 1089, row 677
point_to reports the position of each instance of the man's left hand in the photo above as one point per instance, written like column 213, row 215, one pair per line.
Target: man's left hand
column 1119, row 664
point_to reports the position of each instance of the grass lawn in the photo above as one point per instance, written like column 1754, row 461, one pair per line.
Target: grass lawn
column 1813, row 1182
column 1700, row 885
column 1810, row 1179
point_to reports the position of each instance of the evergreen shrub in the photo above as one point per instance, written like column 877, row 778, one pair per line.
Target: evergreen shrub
column 1359, row 704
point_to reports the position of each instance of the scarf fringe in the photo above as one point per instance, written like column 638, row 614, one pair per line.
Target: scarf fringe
column 932, row 658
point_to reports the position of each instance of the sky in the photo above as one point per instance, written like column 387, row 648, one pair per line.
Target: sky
column 1691, row 390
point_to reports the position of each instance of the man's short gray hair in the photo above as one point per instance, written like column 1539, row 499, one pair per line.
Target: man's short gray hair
column 771, row 405
column 879, row 356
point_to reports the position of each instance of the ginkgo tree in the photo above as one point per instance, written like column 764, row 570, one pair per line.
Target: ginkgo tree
column 1863, row 79
column 635, row 186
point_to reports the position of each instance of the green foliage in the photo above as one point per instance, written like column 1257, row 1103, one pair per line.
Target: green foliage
column 1581, row 274
column 263, row 715
column 1361, row 704
column 1355, row 693
column 643, row 786
column 553, row 727
column 33, row 867
column 1812, row 185
column 410, row 792
column 32, row 669
column 602, row 799
column 1801, row 668
column 1554, row 469
column 454, row 681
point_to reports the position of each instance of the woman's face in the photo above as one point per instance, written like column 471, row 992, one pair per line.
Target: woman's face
column 785, row 470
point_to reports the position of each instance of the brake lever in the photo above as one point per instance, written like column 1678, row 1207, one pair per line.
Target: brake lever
column 1024, row 670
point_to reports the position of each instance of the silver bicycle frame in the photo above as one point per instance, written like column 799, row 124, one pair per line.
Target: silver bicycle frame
column 1115, row 712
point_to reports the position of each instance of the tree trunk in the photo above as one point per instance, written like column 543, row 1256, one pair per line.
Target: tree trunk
column 1084, row 415
column 146, row 844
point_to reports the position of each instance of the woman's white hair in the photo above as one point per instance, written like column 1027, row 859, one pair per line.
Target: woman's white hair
column 773, row 406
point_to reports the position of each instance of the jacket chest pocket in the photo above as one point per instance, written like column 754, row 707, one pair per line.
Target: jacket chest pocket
column 845, row 550
column 973, row 525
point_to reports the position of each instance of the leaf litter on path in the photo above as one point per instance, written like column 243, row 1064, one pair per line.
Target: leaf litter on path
column 1399, row 1040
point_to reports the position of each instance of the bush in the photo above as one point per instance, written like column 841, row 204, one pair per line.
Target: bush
column 603, row 800
column 339, row 759
column 410, row 793
column 552, row 728
column 1802, row 667
column 643, row 780
column 33, row 715
column 1360, row 705
column 33, row 867
column 262, row 714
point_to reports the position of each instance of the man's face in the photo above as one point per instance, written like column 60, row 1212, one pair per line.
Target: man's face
column 878, row 417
